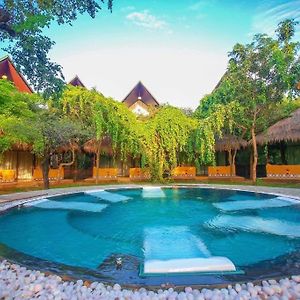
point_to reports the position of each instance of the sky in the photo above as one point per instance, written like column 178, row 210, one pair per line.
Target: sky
column 178, row 49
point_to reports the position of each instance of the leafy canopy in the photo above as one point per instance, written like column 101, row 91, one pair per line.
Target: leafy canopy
column 16, row 111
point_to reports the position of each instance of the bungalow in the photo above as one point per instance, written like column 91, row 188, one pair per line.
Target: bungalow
column 17, row 163
column 283, row 143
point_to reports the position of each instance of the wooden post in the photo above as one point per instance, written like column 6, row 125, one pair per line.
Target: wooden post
column 98, row 161
column 233, row 162
column 230, row 161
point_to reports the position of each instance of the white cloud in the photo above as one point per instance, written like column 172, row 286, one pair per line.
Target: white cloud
column 200, row 5
column 196, row 6
column 269, row 16
column 146, row 20
column 128, row 8
column 179, row 76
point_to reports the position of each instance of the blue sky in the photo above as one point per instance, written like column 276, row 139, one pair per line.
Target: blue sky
column 178, row 49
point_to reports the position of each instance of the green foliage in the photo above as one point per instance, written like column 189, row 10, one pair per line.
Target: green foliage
column 222, row 95
column 16, row 111
column 103, row 118
column 211, row 124
column 258, row 78
column 163, row 137
column 21, row 27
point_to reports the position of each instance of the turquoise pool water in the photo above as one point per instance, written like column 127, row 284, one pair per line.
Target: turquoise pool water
column 170, row 223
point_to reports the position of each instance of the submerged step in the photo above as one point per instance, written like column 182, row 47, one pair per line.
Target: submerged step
column 48, row 204
column 153, row 192
column 191, row 265
column 256, row 224
column 107, row 196
column 255, row 204
column 172, row 242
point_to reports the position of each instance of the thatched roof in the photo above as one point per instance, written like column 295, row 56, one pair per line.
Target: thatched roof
column 230, row 142
column 287, row 130
column 69, row 147
column 91, row 146
column 20, row 146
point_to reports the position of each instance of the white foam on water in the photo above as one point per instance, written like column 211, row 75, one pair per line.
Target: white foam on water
column 35, row 202
column 294, row 201
column 172, row 242
column 210, row 264
column 107, row 196
column 153, row 192
column 93, row 191
column 257, row 224
column 255, row 204
column 90, row 207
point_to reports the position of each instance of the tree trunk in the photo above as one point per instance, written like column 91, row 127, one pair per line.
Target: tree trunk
column 45, row 170
column 98, row 162
column 230, row 161
column 61, row 165
column 255, row 155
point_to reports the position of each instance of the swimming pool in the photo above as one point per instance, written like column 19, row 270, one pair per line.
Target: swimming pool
column 158, row 233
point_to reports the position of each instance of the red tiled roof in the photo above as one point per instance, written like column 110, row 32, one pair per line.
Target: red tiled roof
column 8, row 70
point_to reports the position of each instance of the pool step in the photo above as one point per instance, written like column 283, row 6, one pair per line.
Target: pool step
column 153, row 192
column 107, row 196
column 214, row 264
column 255, row 204
column 81, row 206
column 256, row 224
column 177, row 250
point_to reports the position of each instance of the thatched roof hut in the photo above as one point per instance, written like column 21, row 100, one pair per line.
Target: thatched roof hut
column 20, row 146
column 230, row 142
column 287, row 130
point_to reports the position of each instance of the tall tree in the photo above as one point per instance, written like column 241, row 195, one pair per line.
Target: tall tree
column 49, row 133
column 104, row 118
column 259, row 76
column 21, row 26
column 262, row 73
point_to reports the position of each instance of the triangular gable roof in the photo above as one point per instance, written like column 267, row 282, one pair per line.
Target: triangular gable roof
column 140, row 92
column 8, row 69
column 76, row 82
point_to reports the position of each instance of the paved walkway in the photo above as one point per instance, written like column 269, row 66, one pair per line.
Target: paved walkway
column 10, row 200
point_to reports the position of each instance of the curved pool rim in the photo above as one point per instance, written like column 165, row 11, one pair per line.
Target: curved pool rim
column 75, row 273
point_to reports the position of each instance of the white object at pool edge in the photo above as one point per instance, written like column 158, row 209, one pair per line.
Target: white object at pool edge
column 189, row 265
column 153, row 192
